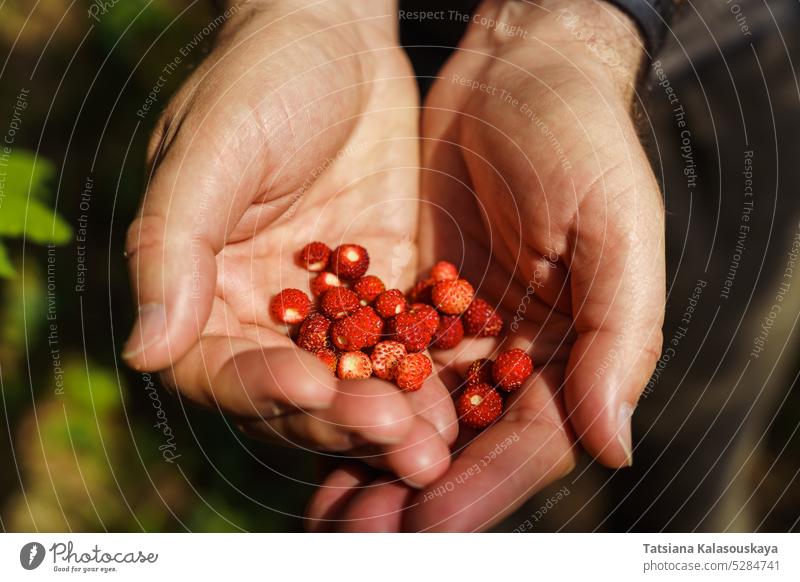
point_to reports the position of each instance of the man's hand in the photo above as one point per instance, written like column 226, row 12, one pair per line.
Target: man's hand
column 300, row 126
column 535, row 183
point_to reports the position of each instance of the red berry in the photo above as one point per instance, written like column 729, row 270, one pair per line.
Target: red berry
column 452, row 297
column 410, row 330
column 290, row 306
column 390, row 303
column 428, row 315
column 421, row 292
column 385, row 357
column 314, row 256
column 354, row 366
column 479, row 372
column 481, row 320
column 412, row 371
column 345, row 335
column 313, row 335
column 444, row 271
column 511, row 369
column 479, row 405
column 328, row 358
column 360, row 330
column 323, row 282
column 369, row 325
column 368, row 288
column 350, row 261
column 339, row 302
column 449, row 334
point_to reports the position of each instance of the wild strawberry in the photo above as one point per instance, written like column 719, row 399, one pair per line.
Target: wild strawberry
column 290, row 306
column 449, row 334
column 350, row 261
column 339, row 302
column 390, row 303
column 385, row 357
column 328, row 357
column 511, row 369
column 313, row 335
column 481, row 320
column 444, row 271
column 345, row 335
column 479, row 372
column 479, row 405
column 421, row 291
column 354, row 366
column 452, row 297
column 323, row 282
column 410, row 330
column 314, row 256
column 412, row 371
column 368, row 288
column 369, row 324
column 428, row 315
column 355, row 332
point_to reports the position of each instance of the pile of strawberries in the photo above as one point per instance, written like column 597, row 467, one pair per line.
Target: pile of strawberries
column 358, row 328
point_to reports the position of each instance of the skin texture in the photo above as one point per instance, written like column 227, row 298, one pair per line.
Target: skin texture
column 301, row 125
column 552, row 211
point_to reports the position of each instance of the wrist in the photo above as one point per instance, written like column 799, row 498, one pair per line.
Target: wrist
column 591, row 34
column 338, row 9
column 373, row 21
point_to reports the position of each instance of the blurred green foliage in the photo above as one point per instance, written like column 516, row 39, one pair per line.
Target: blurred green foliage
column 24, row 211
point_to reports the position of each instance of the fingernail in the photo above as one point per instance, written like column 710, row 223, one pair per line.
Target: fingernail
column 150, row 327
column 412, row 484
column 624, row 436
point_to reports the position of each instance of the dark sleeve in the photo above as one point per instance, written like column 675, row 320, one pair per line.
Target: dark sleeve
column 654, row 18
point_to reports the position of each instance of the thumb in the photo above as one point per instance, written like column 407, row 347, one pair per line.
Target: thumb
column 617, row 278
column 171, row 249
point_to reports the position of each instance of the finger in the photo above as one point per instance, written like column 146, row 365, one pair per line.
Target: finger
column 373, row 409
column 618, row 294
column 244, row 379
column 376, row 508
column 189, row 206
column 301, row 430
column 333, row 495
column 363, row 411
column 435, row 404
column 422, row 456
column 530, row 447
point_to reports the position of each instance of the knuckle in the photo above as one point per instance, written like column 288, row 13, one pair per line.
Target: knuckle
column 145, row 232
column 651, row 351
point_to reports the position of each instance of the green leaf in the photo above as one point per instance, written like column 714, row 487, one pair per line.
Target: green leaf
column 23, row 208
column 27, row 174
column 6, row 268
column 33, row 219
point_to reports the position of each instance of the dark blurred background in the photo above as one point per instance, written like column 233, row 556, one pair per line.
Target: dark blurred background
column 86, row 444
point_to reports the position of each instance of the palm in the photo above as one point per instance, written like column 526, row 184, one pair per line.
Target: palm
column 509, row 241
column 518, row 208
column 365, row 192
column 278, row 140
